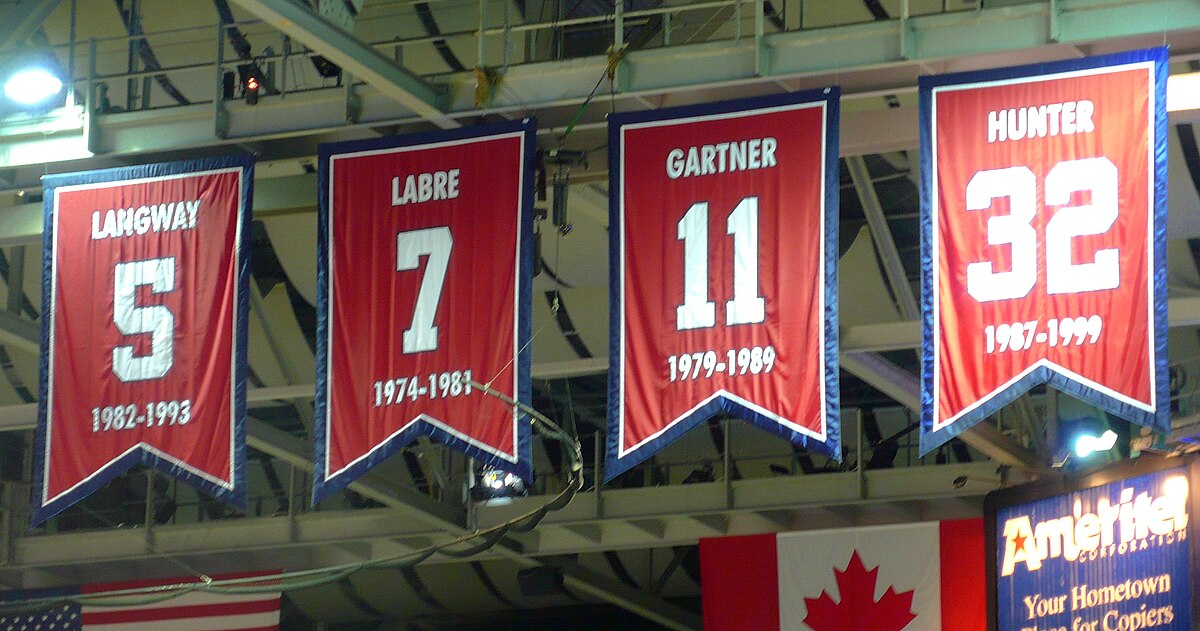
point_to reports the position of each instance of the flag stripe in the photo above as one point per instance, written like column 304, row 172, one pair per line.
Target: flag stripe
column 739, row 583
column 247, row 622
column 964, row 595
column 141, row 614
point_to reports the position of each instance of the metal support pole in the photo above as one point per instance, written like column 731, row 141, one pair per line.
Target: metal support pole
column 619, row 27
column 71, row 55
column 353, row 104
column 1051, row 424
column 472, row 512
column 146, row 80
column 760, row 61
column 148, row 517
column 291, row 492
column 220, row 122
column 737, row 20
column 859, row 466
column 479, row 57
column 726, row 458
column 91, row 131
column 285, row 48
column 904, row 37
column 1054, row 20
column 293, row 527
column 6, row 523
column 598, row 473
column 131, row 65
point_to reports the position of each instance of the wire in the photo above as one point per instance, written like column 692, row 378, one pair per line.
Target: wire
column 460, row 547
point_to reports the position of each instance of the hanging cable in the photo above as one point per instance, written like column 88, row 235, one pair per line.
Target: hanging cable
column 463, row 546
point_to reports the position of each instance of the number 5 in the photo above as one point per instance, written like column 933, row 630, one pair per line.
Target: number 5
column 435, row 243
column 156, row 320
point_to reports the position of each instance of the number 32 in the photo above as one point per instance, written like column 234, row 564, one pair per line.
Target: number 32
column 1098, row 175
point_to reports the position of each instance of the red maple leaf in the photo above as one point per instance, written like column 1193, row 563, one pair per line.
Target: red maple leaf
column 859, row 611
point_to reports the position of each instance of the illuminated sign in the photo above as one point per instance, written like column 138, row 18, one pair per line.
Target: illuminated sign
column 1114, row 557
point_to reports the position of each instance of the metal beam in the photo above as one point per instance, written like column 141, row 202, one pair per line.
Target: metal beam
column 865, row 59
column 20, row 333
column 304, row 409
column 657, row 517
column 354, row 56
column 375, row 486
column 905, row 388
column 885, row 245
column 452, row 520
column 22, row 20
column 298, row 453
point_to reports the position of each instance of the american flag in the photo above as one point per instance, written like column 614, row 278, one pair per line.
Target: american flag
column 193, row 611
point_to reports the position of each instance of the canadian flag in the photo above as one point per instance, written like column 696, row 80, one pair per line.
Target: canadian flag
column 912, row 577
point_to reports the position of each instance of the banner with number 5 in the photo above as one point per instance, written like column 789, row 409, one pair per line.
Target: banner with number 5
column 425, row 259
column 144, row 308
column 723, row 229
column 1043, row 197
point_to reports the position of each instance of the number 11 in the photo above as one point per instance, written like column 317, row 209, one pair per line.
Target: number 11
column 747, row 307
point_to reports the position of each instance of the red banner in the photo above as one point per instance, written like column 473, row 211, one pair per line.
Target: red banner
column 425, row 264
column 724, row 228
column 144, row 319
column 1045, row 238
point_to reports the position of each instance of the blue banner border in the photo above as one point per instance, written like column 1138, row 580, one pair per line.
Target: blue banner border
column 615, row 465
column 324, row 487
column 236, row 496
column 1160, row 420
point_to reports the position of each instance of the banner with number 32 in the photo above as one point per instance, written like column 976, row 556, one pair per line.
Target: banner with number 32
column 1044, row 239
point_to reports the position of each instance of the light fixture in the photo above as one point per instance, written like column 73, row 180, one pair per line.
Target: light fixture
column 1183, row 92
column 33, row 78
column 1087, row 444
column 252, row 82
column 494, row 483
column 32, row 85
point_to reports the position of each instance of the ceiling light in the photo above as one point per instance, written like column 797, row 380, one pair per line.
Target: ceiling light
column 1088, row 444
column 32, row 85
column 1183, row 92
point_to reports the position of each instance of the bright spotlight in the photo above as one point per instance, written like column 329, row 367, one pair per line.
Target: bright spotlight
column 32, row 86
column 494, row 483
column 1088, row 444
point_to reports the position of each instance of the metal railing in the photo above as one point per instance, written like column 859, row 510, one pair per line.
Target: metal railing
column 110, row 72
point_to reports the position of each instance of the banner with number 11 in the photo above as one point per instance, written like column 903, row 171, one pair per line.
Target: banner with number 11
column 723, row 229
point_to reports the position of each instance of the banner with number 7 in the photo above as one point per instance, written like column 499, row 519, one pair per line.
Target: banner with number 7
column 1043, row 200
column 424, row 265
column 723, row 233
column 144, row 304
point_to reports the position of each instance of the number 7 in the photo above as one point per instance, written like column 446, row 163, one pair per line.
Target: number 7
column 435, row 243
